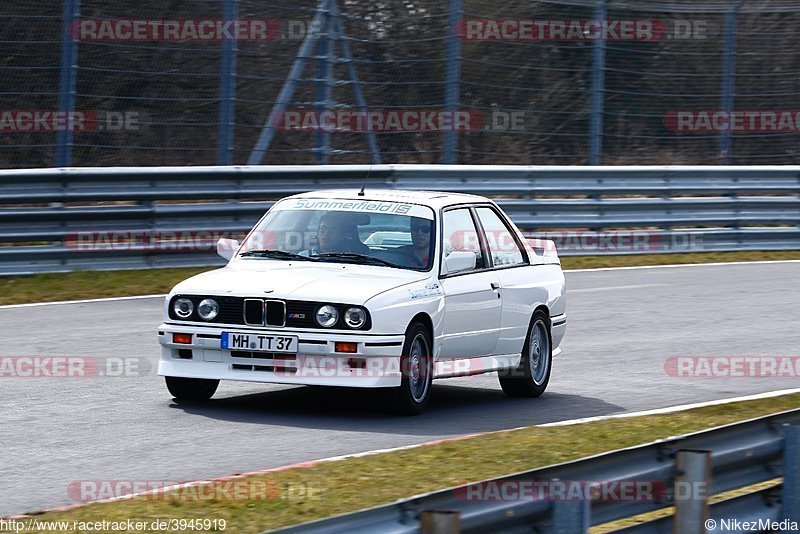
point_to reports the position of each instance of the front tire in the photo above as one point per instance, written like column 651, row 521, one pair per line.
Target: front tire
column 191, row 389
column 530, row 379
column 416, row 367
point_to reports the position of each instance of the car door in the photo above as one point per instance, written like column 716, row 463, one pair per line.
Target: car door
column 472, row 303
column 519, row 284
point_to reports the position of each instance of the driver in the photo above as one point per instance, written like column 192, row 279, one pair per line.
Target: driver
column 330, row 234
column 336, row 233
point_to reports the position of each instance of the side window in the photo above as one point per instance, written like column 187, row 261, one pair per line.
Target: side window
column 460, row 234
column 502, row 245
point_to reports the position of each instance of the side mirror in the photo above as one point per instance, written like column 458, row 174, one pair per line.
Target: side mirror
column 227, row 247
column 459, row 260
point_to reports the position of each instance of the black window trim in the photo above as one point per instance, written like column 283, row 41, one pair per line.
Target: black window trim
column 472, row 207
column 505, row 222
column 444, row 210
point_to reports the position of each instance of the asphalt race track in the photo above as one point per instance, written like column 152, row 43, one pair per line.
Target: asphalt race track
column 622, row 327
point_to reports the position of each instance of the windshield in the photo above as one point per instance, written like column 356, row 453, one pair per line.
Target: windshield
column 348, row 231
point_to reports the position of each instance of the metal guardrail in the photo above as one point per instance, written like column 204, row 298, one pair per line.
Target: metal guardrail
column 719, row 460
column 678, row 208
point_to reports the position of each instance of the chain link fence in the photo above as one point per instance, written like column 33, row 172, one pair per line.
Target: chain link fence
column 191, row 82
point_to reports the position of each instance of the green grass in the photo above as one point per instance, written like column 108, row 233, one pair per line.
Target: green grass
column 96, row 284
column 343, row 486
column 91, row 284
column 631, row 260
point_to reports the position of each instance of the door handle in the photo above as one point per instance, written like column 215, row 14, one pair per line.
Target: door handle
column 494, row 285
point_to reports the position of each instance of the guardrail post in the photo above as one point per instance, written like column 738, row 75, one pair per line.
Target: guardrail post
column 440, row 522
column 692, row 481
column 790, row 496
column 571, row 517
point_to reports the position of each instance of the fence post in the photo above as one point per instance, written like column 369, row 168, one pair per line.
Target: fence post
column 692, row 482
column 598, row 90
column 728, row 79
column 67, row 81
column 227, row 90
column 452, row 80
column 790, row 496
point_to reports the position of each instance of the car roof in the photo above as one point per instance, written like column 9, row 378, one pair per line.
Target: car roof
column 434, row 199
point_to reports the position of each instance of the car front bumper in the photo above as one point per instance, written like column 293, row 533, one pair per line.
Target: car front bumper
column 375, row 364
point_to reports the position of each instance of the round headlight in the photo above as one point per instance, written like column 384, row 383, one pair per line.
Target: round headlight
column 208, row 309
column 355, row 317
column 183, row 308
column 327, row 316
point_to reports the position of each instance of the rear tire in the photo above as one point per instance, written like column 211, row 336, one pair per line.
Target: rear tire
column 416, row 367
column 194, row 389
column 530, row 379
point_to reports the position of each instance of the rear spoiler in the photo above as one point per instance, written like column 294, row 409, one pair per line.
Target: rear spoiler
column 544, row 249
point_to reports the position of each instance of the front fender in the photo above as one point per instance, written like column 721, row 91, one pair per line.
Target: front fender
column 393, row 310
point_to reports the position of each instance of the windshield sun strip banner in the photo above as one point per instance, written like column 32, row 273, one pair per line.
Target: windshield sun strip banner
column 361, row 206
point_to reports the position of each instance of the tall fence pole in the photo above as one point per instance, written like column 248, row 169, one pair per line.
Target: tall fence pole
column 67, row 81
column 227, row 90
column 598, row 91
column 452, row 88
column 728, row 79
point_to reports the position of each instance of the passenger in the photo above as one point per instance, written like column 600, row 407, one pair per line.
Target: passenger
column 419, row 252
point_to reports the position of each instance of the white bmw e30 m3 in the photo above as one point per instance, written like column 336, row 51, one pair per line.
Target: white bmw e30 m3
column 373, row 289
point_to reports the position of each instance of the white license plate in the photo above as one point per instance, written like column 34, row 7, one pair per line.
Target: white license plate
column 258, row 342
